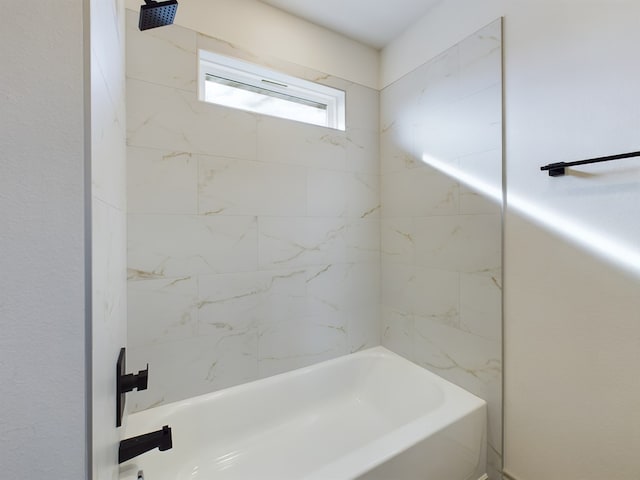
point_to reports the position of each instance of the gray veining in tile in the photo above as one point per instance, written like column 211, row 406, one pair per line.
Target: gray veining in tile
column 440, row 238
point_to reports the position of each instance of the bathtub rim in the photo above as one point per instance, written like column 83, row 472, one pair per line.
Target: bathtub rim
column 369, row 455
column 377, row 351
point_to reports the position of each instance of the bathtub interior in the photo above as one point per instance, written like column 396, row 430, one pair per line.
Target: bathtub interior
column 339, row 419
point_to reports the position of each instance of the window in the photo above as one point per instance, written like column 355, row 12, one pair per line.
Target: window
column 238, row 84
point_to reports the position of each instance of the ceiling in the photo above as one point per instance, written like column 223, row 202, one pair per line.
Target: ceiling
column 372, row 22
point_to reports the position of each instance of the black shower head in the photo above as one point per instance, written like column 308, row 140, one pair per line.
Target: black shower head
column 157, row 14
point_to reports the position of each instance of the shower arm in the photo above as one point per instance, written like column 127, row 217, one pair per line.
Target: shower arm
column 557, row 169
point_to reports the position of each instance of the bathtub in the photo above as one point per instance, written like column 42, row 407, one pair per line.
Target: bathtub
column 371, row 415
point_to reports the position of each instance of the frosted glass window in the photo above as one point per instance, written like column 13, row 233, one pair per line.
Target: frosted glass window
column 237, row 84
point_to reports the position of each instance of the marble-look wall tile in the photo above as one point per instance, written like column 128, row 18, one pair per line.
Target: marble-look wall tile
column 300, row 242
column 441, row 238
column 461, row 357
column 299, row 343
column 470, row 125
column 254, row 241
column 398, row 331
column 171, row 119
column 298, row 143
column 230, row 304
column 484, row 196
column 162, row 310
column 481, row 60
column 333, row 193
column 161, row 181
column 223, row 47
column 108, row 231
column 193, row 366
column 481, row 303
column 241, row 187
column 422, row 292
column 169, row 246
column 362, row 109
column 341, row 288
column 363, row 154
column 398, row 240
column 440, row 81
column 464, row 243
column 164, row 56
column 362, row 239
column 418, row 192
column 364, row 327
column 398, row 149
column 399, row 106
column 107, row 131
column 467, row 360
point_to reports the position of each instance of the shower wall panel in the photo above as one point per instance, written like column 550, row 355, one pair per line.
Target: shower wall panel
column 441, row 176
column 254, row 243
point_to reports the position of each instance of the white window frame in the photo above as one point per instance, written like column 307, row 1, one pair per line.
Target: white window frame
column 264, row 79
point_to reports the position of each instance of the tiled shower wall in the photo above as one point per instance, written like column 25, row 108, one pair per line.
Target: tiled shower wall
column 108, row 224
column 441, row 239
column 254, row 242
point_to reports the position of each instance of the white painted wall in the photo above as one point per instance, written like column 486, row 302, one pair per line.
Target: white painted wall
column 108, row 202
column 43, row 377
column 264, row 30
column 572, row 288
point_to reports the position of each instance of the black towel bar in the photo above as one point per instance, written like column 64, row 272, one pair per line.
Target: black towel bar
column 557, row 169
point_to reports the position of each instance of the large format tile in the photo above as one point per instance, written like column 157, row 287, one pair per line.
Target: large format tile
column 166, row 56
column 193, row 366
column 286, row 141
column 441, row 232
column 300, row 242
column 463, row 243
column 481, row 60
column 342, row 288
column 254, row 242
column 397, row 331
column 342, row 194
column 182, row 245
column 398, row 243
column 242, row 187
column 108, row 273
column 422, row 292
column 362, row 237
column 240, row 302
column 363, row 327
column 481, row 303
column 161, row 310
column 461, row 357
column 470, row 125
column 418, row 192
column 298, row 343
column 482, row 192
column 107, row 147
column 161, row 181
column 363, row 152
column 398, row 150
column 362, row 107
column 172, row 119
column 439, row 81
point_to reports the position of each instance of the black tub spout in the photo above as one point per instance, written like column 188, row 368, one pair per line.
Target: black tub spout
column 134, row 446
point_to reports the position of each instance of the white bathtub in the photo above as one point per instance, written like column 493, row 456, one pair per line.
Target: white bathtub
column 371, row 415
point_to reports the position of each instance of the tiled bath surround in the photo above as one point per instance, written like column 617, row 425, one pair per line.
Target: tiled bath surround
column 254, row 242
column 109, row 222
column 441, row 255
